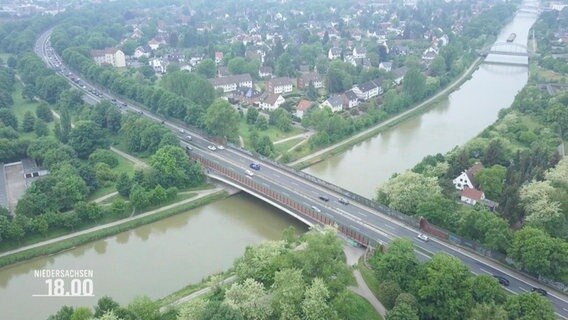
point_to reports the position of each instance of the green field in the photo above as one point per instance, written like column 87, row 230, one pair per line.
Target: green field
column 273, row 133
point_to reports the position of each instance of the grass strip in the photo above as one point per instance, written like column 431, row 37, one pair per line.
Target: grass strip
column 100, row 234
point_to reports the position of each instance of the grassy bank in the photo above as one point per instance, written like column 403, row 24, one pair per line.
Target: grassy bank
column 99, row 234
column 381, row 127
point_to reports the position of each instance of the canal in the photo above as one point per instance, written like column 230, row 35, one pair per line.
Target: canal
column 162, row 257
column 153, row 260
column 451, row 122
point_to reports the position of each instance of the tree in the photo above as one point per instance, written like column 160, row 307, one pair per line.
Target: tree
column 222, row 120
column 444, row 291
column 207, row 68
column 8, row 118
column 288, row 293
column 104, row 156
column 44, row 113
column 250, row 299
column 28, row 122
column 488, row 311
column 496, row 153
column 407, row 191
column 11, row 62
column 486, row 290
column 138, row 197
column 261, row 123
column 529, row 306
column 315, row 306
column 40, row 128
column 193, row 309
column 118, row 207
column 259, row 262
column 438, row 66
column 535, row 251
column 82, row 313
column 65, row 119
column 86, row 137
column 402, row 311
column 252, row 115
column 284, row 66
column 123, row 184
column 414, row 84
column 535, row 198
column 490, row 180
column 104, row 305
column 144, row 308
column 388, row 292
column 398, row 264
column 172, row 168
column 64, row 313
column 312, row 94
column 281, row 119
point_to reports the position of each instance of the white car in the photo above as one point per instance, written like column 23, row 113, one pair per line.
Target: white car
column 220, row 147
column 316, row 209
column 212, row 148
column 422, row 237
column 188, row 138
column 249, row 173
column 181, row 131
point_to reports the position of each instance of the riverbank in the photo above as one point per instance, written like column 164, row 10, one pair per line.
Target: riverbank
column 340, row 147
column 69, row 241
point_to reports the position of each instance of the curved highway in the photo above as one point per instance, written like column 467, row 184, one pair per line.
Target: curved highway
column 359, row 218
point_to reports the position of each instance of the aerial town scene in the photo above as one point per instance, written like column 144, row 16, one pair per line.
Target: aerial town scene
column 283, row 159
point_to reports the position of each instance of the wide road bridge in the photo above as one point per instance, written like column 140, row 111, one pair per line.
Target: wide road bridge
column 297, row 193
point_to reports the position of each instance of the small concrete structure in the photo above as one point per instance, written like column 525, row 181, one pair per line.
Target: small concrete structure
column 15, row 178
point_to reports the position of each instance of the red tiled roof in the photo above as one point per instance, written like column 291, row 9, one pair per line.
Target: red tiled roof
column 471, row 172
column 472, row 194
column 303, row 105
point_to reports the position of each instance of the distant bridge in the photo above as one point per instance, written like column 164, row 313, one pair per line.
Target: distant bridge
column 494, row 52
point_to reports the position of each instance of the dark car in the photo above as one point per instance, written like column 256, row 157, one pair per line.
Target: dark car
column 502, row 280
column 540, row 291
column 255, row 166
column 324, row 198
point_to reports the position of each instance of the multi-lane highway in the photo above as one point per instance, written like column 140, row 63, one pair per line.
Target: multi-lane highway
column 355, row 216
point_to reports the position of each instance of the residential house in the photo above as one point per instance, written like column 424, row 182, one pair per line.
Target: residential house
column 231, row 83
column 223, row 71
column 429, row 55
column 305, row 79
column 218, row 57
column 472, row 196
column 247, row 96
column 271, row 102
column 142, row 52
column 158, row 65
column 386, row 66
column 335, row 103
column 398, row 74
column 265, row 72
column 350, row 99
column 279, row 85
column 368, row 90
column 111, row 56
column 334, row 53
column 303, row 107
column 359, row 53
column 465, row 179
column 154, row 44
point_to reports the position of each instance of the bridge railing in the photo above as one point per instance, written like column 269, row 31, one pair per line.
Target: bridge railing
column 309, row 213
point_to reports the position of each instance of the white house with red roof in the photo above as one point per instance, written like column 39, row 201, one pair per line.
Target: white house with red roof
column 302, row 107
column 472, row 196
column 465, row 179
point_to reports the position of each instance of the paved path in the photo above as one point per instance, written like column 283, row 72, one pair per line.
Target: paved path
column 103, row 198
column 452, row 86
column 196, row 294
column 137, row 162
column 304, row 135
column 200, row 194
column 353, row 254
